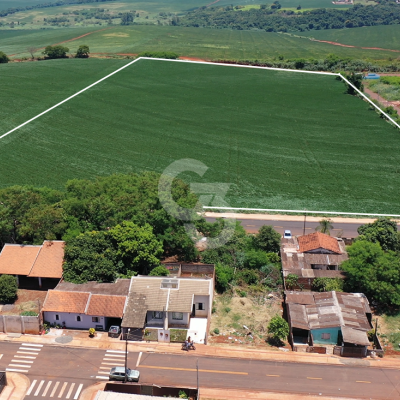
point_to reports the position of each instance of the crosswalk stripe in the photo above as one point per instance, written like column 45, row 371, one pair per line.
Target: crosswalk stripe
column 32, row 358
column 39, row 387
column 70, row 390
column 1, row 355
column 108, row 368
column 54, row 389
column 19, row 365
column 101, row 377
column 62, row 390
column 27, row 352
column 31, row 345
column 78, row 391
column 16, row 370
column 31, row 387
column 29, row 349
column 116, row 365
column 22, row 361
column 116, row 351
column 47, row 388
column 115, row 355
column 113, row 359
column 103, row 373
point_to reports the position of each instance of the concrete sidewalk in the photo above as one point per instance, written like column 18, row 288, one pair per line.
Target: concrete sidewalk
column 17, row 386
column 102, row 341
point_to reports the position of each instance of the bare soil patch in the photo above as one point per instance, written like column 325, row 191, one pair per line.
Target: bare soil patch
column 27, row 300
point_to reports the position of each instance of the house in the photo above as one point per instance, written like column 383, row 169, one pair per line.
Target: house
column 35, row 267
column 89, row 305
column 330, row 318
column 311, row 256
column 170, row 308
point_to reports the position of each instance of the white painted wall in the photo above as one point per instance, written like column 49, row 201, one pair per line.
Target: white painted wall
column 183, row 321
column 71, row 322
column 206, row 305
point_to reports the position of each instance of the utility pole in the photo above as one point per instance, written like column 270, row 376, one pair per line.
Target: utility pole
column 197, row 368
column 126, row 353
column 304, row 225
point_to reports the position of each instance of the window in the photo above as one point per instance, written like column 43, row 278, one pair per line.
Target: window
column 200, row 306
column 325, row 336
column 95, row 319
column 57, row 317
column 169, row 284
column 157, row 315
column 177, row 316
column 78, row 318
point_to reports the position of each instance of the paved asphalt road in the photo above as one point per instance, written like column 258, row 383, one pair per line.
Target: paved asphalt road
column 349, row 230
column 59, row 372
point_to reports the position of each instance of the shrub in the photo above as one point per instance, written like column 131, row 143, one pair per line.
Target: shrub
column 247, row 276
column 216, row 331
column 328, row 284
column 227, row 309
column 291, row 281
column 3, row 58
column 159, row 271
column 278, row 328
column 8, row 288
column 29, row 313
column 224, row 275
column 57, row 51
column 82, row 52
column 169, row 55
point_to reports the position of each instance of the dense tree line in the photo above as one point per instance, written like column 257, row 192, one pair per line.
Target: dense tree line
column 14, row 10
column 273, row 19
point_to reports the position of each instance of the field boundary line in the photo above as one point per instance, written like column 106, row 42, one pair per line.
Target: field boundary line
column 300, row 211
column 68, row 98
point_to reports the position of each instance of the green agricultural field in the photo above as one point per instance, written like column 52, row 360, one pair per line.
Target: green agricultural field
column 281, row 139
column 189, row 42
column 383, row 36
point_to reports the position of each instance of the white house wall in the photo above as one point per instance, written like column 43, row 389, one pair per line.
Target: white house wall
column 206, row 305
column 71, row 322
column 184, row 321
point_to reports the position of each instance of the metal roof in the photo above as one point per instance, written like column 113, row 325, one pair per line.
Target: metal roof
column 355, row 336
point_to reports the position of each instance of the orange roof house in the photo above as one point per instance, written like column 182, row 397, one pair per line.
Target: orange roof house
column 106, row 305
column 317, row 242
column 28, row 261
column 69, row 302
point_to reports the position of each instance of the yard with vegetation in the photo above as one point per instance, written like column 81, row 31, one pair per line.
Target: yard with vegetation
column 255, row 129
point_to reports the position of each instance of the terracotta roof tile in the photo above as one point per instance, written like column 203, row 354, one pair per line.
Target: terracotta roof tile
column 70, row 302
column 16, row 259
column 49, row 261
column 106, row 305
column 318, row 240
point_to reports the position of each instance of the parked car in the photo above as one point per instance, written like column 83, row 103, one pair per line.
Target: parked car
column 287, row 234
column 114, row 331
column 118, row 374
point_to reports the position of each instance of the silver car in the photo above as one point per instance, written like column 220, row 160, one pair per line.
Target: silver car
column 118, row 374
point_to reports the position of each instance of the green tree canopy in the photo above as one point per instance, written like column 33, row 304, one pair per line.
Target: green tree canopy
column 382, row 231
column 325, row 226
column 373, row 272
column 8, row 289
column 278, row 328
column 159, row 271
column 82, row 52
column 57, row 51
column 127, row 18
column 268, row 239
column 3, row 58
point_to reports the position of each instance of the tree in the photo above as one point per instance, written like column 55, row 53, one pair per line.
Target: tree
column 223, row 276
column 325, row 226
column 291, row 281
column 57, row 51
column 8, row 288
column 127, row 18
column 82, row 52
column 3, row 58
column 382, row 231
column 268, row 239
column 357, row 81
column 374, row 272
column 278, row 328
column 32, row 50
column 159, row 271
column 328, row 284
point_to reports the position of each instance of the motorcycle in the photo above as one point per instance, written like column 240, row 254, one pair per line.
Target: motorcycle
column 190, row 346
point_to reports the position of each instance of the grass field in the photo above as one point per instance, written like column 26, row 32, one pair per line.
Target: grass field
column 283, row 140
column 383, row 36
column 189, row 42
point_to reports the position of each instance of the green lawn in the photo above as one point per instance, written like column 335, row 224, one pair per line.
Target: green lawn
column 383, row 36
column 283, row 140
column 189, row 42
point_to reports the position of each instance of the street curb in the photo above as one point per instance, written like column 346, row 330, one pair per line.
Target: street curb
column 17, row 386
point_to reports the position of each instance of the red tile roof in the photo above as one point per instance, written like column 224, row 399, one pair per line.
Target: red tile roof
column 106, row 305
column 16, row 259
column 318, row 240
column 70, row 302
column 49, row 261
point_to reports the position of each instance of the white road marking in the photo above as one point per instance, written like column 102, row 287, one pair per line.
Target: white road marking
column 47, row 388
column 105, row 368
column 103, row 373
column 54, row 389
column 1, row 355
column 25, row 357
column 20, row 365
column 70, row 391
column 27, row 352
column 138, row 359
column 29, row 349
column 78, row 391
column 113, row 359
column 31, row 387
column 115, row 355
column 39, row 387
column 116, row 351
column 117, row 365
column 31, row 345
column 16, row 370
column 22, row 361
column 62, row 389
column 101, row 377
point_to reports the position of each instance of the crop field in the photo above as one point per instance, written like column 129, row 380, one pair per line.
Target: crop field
column 189, row 42
column 281, row 139
column 383, row 36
